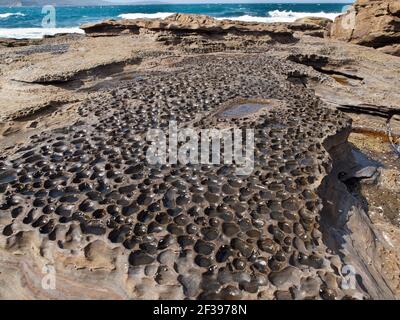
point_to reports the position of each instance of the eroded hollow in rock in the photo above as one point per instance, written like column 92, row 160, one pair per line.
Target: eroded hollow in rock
column 242, row 110
column 199, row 228
column 345, row 224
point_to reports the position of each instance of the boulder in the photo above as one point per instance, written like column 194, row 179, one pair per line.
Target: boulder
column 372, row 23
column 322, row 22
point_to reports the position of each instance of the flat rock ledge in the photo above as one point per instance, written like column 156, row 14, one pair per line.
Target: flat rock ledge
column 78, row 198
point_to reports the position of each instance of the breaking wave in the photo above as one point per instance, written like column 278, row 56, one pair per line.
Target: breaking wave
column 11, row 14
column 35, row 33
column 158, row 15
column 283, row 16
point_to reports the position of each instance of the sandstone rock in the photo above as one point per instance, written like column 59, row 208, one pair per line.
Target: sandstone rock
column 6, row 42
column 323, row 22
column 185, row 23
column 313, row 26
column 77, row 60
column 89, row 266
column 392, row 49
column 394, row 8
column 371, row 23
column 287, row 275
column 100, row 256
column 191, row 19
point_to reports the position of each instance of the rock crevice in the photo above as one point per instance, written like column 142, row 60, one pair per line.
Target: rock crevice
column 345, row 224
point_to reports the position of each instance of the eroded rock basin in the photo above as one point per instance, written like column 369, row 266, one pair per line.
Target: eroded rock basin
column 242, row 110
column 195, row 231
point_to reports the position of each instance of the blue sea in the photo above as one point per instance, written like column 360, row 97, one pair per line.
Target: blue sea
column 27, row 22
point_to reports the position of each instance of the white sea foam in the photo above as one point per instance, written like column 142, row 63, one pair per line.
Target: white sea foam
column 11, row 14
column 158, row 15
column 297, row 15
column 283, row 16
column 34, row 33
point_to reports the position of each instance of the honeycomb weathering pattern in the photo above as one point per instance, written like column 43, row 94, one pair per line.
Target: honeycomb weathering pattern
column 200, row 228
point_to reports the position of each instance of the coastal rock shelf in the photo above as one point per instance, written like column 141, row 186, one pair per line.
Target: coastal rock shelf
column 83, row 215
column 370, row 23
column 195, row 231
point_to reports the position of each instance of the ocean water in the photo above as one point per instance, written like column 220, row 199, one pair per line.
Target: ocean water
column 26, row 22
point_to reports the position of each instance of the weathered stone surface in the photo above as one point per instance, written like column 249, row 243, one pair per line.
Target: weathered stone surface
column 185, row 22
column 371, row 23
column 192, row 231
column 323, row 22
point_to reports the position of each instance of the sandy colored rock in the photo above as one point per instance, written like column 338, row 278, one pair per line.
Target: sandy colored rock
column 391, row 49
column 371, row 23
column 186, row 23
column 120, row 244
column 88, row 56
column 323, row 22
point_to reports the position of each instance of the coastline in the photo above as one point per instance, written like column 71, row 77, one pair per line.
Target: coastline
column 189, row 67
column 21, row 18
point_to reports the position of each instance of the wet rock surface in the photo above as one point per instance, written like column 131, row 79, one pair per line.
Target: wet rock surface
column 77, row 193
column 93, row 179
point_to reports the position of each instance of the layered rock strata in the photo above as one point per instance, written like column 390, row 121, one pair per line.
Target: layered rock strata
column 371, row 23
